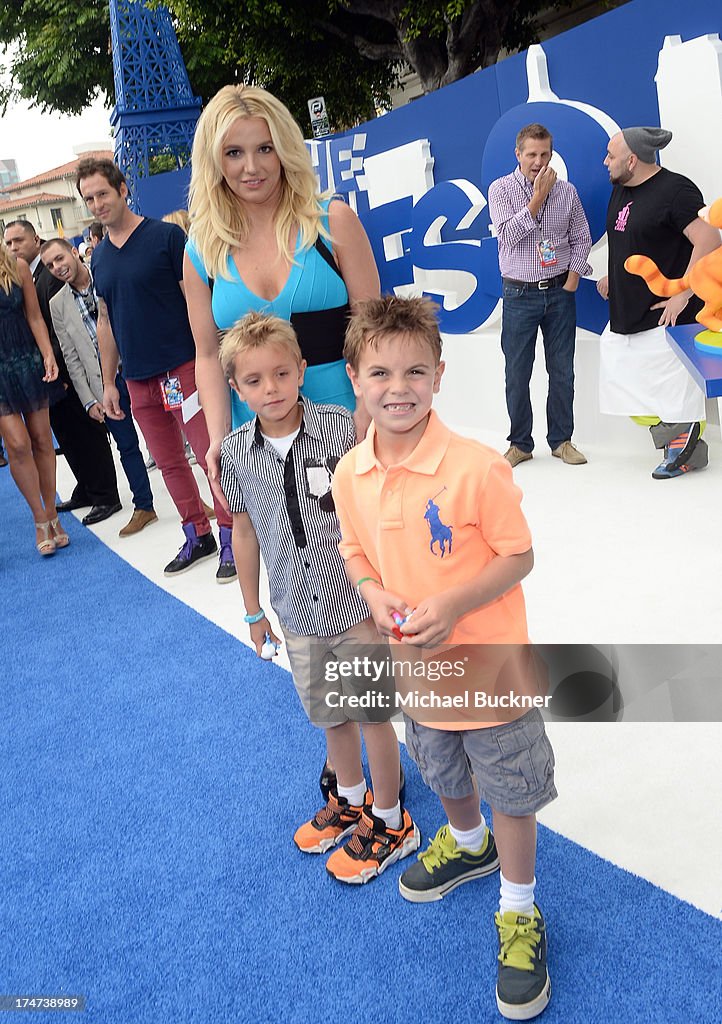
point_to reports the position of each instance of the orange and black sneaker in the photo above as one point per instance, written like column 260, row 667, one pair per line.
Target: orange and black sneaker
column 372, row 847
column 330, row 825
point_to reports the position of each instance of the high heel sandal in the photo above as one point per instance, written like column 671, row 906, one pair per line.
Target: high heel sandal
column 59, row 535
column 47, row 545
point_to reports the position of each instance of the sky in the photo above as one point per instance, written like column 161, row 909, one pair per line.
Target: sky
column 38, row 142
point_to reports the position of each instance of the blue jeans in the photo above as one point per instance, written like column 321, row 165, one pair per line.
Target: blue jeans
column 525, row 311
column 124, row 434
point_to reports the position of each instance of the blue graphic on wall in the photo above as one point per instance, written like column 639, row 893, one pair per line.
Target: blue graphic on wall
column 418, row 177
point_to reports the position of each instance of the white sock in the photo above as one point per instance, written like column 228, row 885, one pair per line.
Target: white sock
column 516, row 897
column 354, row 794
column 391, row 815
column 473, row 839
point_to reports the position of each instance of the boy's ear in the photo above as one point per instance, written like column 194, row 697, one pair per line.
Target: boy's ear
column 301, row 372
column 438, row 374
column 353, row 377
column 235, row 387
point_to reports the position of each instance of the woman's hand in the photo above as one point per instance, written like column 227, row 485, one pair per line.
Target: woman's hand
column 51, row 368
column 213, row 471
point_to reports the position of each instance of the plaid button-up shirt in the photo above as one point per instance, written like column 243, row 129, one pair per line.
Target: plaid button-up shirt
column 87, row 305
column 561, row 221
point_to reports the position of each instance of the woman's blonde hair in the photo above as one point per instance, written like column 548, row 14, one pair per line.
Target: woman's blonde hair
column 178, row 217
column 218, row 221
column 9, row 273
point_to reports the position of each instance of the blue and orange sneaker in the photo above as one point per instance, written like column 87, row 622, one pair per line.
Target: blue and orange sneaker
column 683, row 453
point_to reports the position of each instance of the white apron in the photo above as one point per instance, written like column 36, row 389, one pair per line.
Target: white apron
column 640, row 375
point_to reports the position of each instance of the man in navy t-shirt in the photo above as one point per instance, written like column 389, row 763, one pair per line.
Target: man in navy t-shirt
column 143, row 322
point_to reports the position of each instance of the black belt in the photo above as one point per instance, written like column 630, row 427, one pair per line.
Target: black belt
column 542, row 286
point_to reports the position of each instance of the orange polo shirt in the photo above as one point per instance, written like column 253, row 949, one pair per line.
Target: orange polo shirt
column 434, row 521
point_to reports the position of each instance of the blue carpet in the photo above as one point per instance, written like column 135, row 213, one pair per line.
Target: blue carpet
column 153, row 773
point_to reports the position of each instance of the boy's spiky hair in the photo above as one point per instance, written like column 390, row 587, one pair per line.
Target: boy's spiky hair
column 376, row 319
column 253, row 331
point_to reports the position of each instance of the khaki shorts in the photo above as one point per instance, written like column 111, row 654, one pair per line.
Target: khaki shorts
column 334, row 682
column 513, row 763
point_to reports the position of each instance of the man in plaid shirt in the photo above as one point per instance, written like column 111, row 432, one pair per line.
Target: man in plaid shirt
column 544, row 242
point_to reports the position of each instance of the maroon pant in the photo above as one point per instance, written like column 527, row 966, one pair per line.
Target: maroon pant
column 162, row 430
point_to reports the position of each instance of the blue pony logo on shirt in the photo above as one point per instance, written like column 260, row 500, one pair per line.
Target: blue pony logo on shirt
column 441, row 534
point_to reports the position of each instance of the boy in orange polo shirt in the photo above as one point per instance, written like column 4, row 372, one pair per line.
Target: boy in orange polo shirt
column 432, row 522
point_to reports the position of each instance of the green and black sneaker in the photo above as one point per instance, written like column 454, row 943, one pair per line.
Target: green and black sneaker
column 444, row 864
column 523, row 988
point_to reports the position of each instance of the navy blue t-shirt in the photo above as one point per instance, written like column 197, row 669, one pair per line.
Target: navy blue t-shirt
column 147, row 309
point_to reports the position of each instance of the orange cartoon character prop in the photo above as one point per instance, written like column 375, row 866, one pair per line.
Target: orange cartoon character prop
column 704, row 278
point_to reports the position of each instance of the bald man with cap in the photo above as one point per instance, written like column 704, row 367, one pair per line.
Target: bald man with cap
column 652, row 212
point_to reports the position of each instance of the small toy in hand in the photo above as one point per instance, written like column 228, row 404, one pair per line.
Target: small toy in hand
column 400, row 619
column 269, row 649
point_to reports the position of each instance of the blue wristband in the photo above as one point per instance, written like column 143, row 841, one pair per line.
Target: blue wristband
column 251, row 619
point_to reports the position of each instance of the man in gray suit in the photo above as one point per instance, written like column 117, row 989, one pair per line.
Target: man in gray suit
column 74, row 312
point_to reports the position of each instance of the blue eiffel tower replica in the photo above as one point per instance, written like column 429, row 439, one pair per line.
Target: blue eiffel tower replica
column 155, row 111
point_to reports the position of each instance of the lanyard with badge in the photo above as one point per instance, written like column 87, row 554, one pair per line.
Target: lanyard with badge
column 171, row 393
column 545, row 247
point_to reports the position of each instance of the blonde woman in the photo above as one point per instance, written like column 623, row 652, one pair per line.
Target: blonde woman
column 27, row 366
column 261, row 238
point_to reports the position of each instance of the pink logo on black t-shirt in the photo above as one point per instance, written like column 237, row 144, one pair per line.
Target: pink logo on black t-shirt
column 623, row 217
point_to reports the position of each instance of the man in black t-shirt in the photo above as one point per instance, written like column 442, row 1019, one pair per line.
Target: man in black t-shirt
column 652, row 212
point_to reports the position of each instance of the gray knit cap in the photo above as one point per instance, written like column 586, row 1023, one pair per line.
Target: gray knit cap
column 644, row 142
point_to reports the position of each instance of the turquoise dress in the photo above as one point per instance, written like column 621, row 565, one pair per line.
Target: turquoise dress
column 22, row 388
column 314, row 299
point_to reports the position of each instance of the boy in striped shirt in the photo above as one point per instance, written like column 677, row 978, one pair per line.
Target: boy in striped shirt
column 276, row 473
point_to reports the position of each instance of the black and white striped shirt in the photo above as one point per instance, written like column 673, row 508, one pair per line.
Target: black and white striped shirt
column 290, row 505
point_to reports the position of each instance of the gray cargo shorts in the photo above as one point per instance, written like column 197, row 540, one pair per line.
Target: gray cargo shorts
column 513, row 763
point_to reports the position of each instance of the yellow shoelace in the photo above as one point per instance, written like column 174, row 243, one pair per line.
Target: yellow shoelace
column 518, row 943
column 440, row 850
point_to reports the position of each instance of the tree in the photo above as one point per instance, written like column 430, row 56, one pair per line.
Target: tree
column 350, row 51
column 60, row 57
column 290, row 48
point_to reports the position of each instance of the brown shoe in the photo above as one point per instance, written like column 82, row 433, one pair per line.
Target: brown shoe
column 569, row 454
column 209, row 511
column 141, row 518
column 515, row 455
